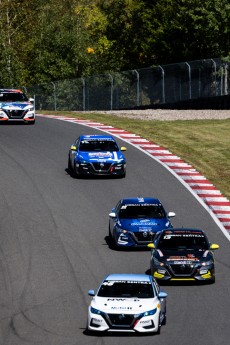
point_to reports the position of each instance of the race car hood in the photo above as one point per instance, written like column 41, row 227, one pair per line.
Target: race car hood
column 115, row 156
column 15, row 105
column 124, row 305
column 187, row 256
column 139, row 225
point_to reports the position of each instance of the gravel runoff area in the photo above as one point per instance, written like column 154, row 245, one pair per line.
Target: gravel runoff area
column 171, row 115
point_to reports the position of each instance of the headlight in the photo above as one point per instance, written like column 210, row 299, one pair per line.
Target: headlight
column 157, row 262
column 81, row 162
column 122, row 231
column 96, row 311
column 207, row 263
column 147, row 313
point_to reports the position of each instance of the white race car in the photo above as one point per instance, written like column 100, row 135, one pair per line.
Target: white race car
column 127, row 303
column 15, row 106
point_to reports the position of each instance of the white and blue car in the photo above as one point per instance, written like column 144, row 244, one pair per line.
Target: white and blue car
column 96, row 155
column 15, row 106
column 135, row 221
column 127, row 303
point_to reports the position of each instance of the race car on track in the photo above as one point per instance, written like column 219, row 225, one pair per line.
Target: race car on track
column 15, row 106
column 135, row 221
column 182, row 255
column 127, row 303
column 96, row 155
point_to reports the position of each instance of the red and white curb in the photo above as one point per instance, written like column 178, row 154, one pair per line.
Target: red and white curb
column 203, row 190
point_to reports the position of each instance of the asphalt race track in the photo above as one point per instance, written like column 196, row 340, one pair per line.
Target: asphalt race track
column 53, row 244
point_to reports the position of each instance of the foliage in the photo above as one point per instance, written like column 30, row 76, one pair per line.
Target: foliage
column 49, row 40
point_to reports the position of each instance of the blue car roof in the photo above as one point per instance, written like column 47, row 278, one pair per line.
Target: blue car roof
column 129, row 276
column 140, row 200
column 97, row 137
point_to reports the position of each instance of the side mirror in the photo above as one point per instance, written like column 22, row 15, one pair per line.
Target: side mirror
column 123, row 148
column 171, row 214
column 31, row 99
column 214, row 246
column 112, row 215
column 151, row 245
column 73, row 148
column 91, row 293
column 162, row 294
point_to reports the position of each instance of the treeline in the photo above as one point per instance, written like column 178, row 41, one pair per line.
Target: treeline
column 48, row 40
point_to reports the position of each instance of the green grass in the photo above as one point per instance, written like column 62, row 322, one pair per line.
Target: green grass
column 205, row 144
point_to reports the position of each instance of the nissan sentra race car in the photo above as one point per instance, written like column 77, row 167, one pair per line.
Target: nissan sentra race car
column 15, row 106
column 127, row 303
column 96, row 155
column 182, row 255
column 134, row 221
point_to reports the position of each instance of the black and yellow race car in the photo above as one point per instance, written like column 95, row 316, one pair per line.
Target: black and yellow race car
column 182, row 254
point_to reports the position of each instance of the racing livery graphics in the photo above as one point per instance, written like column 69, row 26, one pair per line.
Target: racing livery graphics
column 135, row 221
column 15, row 106
column 127, row 303
column 182, row 254
column 96, row 155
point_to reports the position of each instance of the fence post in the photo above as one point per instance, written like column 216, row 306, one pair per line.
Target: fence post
column 83, row 93
column 189, row 75
column 111, row 92
column 163, row 84
column 138, row 87
column 226, row 79
column 214, row 64
column 54, row 93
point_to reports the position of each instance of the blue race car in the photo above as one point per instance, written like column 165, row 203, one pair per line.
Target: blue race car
column 96, row 155
column 15, row 106
column 135, row 221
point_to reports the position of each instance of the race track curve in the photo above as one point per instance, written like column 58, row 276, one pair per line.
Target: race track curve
column 53, row 244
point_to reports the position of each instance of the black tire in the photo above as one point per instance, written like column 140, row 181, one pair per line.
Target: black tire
column 112, row 242
column 75, row 173
column 110, row 235
column 163, row 323
column 159, row 326
column 69, row 164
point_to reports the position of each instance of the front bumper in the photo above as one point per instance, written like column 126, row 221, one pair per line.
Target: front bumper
column 133, row 239
column 17, row 116
column 123, row 323
column 197, row 273
column 101, row 169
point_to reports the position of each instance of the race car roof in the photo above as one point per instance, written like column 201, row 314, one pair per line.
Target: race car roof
column 140, row 200
column 129, row 277
column 96, row 137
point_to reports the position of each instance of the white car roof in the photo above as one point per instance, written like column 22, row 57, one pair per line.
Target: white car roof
column 129, row 276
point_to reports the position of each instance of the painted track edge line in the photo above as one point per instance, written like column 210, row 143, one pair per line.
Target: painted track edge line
column 128, row 139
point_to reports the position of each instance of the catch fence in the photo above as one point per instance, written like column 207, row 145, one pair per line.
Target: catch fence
column 144, row 87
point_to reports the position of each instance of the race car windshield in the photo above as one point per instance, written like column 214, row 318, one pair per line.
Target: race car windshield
column 183, row 242
column 126, row 289
column 98, row 146
column 13, row 97
column 141, row 211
